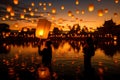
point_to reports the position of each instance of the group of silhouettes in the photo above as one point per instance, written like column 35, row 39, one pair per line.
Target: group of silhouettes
column 88, row 50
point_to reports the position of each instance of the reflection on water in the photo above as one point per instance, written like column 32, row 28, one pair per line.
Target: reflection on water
column 20, row 61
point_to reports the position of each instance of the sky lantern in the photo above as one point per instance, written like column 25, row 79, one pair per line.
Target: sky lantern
column 15, row 2
column 69, row 13
column 16, row 25
column 43, row 28
column 77, row 2
column 83, row 12
column 73, row 16
column 62, row 7
column 77, row 11
column 12, row 13
column 49, row 4
column 24, row 10
column 115, row 14
column 106, row 10
column 60, row 20
column 32, row 4
column 53, row 18
column 48, row 14
column 100, row 13
column 44, row 8
column 99, row 0
column 116, row 1
column 40, row 4
column 30, row 9
column 3, row 18
column 22, row 16
column 9, row 8
column 6, row 16
column 44, row 4
column 32, row 13
column 91, row 7
column 36, row 10
column 53, row 10
column 41, row 14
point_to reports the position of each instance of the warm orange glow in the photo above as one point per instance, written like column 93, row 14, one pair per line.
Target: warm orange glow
column 49, row 4
column 41, row 33
column 29, row 9
column 106, row 10
column 40, row 4
column 7, row 16
column 41, row 14
column 24, row 11
column 32, row 13
column 69, row 13
column 44, row 8
column 115, row 14
column 3, row 19
column 32, row 4
column 77, row 11
column 116, row 1
column 12, row 13
column 100, row 13
column 91, row 7
column 15, row 2
column 16, row 25
column 77, row 2
column 22, row 16
column 62, row 7
column 53, row 10
column 9, row 8
column 83, row 12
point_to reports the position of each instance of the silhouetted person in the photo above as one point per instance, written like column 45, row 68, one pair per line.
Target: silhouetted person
column 89, row 51
column 46, row 53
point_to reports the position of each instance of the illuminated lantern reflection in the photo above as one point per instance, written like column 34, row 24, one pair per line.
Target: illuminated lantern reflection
column 100, row 13
column 62, row 7
column 106, row 10
column 9, row 8
column 91, row 7
column 53, row 10
column 69, row 13
column 12, row 13
column 43, row 28
column 15, row 2
column 116, row 1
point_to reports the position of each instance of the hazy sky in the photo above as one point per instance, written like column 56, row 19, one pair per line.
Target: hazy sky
column 89, row 19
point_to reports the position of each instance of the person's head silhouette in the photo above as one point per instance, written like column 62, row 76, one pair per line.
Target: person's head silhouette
column 48, row 43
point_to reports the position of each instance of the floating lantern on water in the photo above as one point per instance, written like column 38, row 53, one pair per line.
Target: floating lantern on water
column 77, row 2
column 62, row 7
column 100, row 13
column 116, row 1
column 9, row 8
column 53, row 10
column 43, row 28
column 91, row 7
column 106, row 10
column 69, row 13
column 15, row 2
column 12, row 13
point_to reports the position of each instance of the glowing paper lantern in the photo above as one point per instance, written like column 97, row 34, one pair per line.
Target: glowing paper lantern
column 32, row 4
column 73, row 16
column 98, row 0
column 41, row 14
column 40, row 4
column 91, row 7
column 62, row 7
column 44, row 8
column 9, row 8
column 43, row 28
column 83, row 12
column 77, row 11
column 36, row 10
column 77, row 2
column 32, row 13
column 24, row 11
column 12, row 13
column 49, row 4
column 48, row 14
column 69, row 13
column 7, row 16
column 3, row 19
column 53, row 10
column 29, row 9
column 22, row 16
column 116, row 1
column 15, row 2
column 106, row 10
column 100, row 13
column 53, row 18
column 44, row 4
